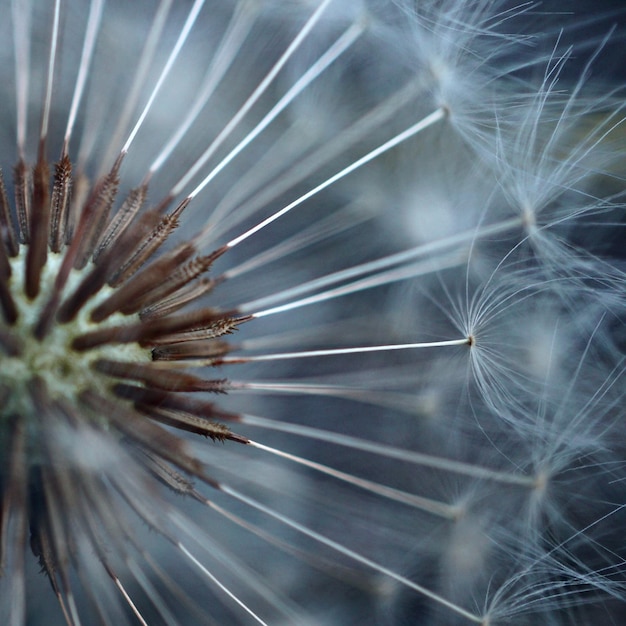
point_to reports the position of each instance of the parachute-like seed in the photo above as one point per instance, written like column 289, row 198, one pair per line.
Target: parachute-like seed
column 328, row 296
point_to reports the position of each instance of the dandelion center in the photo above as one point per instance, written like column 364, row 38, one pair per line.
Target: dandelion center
column 65, row 372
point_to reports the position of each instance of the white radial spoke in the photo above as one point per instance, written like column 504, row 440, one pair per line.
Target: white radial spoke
column 151, row 592
column 45, row 117
column 395, row 401
column 341, row 351
column 351, row 554
column 219, row 584
column 391, row 452
column 336, row 223
column 91, row 34
column 340, row 46
column 15, row 558
column 311, row 163
column 385, row 278
column 182, row 38
column 372, row 397
column 129, row 601
column 21, row 18
column 426, row 122
column 309, row 389
column 252, row 99
column 236, row 33
column 398, row 258
column 133, row 493
column 245, row 574
column 138, row 82
column 73, row 608
column 424, row 504
column 281, row 544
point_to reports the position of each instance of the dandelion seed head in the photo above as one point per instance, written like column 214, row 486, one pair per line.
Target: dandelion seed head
column 300, row 321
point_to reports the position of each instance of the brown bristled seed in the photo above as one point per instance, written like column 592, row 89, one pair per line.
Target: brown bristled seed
column 81, row 278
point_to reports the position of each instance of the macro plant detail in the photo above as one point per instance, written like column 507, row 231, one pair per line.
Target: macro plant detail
column 311, row 312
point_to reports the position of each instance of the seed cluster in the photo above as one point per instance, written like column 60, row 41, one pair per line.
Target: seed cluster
column 93, row 338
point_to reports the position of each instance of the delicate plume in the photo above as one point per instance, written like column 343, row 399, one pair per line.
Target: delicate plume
column 311, row 312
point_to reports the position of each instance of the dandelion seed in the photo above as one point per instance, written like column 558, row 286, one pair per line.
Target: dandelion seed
column 216, row 327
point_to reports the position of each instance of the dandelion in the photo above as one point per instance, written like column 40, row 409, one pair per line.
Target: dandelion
column 240, row 383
